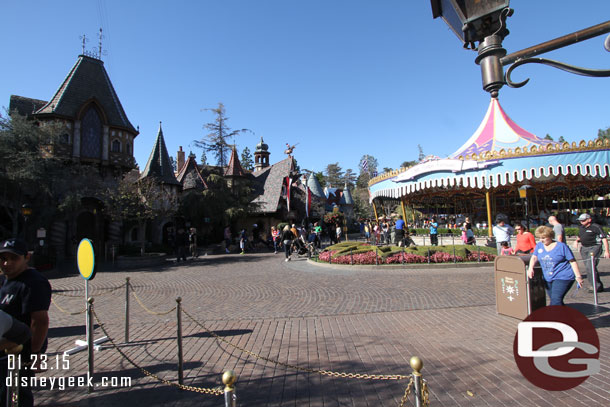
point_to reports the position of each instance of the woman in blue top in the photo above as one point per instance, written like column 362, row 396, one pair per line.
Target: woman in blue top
column 558, row 265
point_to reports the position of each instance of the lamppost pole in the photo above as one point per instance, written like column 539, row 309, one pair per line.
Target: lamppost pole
column 26, row 211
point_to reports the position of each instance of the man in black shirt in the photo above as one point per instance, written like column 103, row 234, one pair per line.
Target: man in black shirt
column 591, row 236
column 25, row 295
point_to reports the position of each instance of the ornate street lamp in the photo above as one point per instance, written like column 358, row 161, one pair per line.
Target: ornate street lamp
column 523, row 195
column 484, row 21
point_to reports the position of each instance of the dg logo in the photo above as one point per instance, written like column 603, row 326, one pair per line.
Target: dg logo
column 556, row 348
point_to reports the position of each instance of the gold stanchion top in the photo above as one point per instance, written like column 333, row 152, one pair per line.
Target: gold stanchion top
column 416, row 364
column 14, row 351
column 90, row 300
column 179, row 299
column 228, row 379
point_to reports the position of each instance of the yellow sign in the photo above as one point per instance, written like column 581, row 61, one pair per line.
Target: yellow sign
column 85, row 259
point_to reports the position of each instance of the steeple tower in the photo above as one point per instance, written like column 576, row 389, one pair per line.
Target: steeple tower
column 261, row 156
column 159, row 166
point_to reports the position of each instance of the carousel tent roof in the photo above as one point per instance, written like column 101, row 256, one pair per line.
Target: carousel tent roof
column 496, row 132
column 499, row 153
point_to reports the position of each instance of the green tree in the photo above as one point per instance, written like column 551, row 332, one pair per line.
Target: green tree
column 387, row 169
column 407, row 164
column 548, row 137
column 321, row 178
column 603, row 134
column 204, row 158
column 216, row 140
column 350, row 177
column 334, row 175
column 246, row 159
column 32, row 171
column 135, row 200
column 371, row 166
column 561, row 139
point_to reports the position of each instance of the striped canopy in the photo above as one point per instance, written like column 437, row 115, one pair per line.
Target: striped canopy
column 496, row 132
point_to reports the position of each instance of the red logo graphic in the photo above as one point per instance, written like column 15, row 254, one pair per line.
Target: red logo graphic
column 556, row 348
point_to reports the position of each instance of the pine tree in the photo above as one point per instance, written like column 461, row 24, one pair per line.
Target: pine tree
column 246, row 159
column 216, row 140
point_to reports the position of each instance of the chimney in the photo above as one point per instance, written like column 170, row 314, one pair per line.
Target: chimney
column 180, row 159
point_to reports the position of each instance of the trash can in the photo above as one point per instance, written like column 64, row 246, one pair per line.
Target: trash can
column 516, row 295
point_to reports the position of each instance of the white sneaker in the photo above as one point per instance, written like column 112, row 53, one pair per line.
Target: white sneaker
column 287, row 259
column 227, row 250
column 274, row 252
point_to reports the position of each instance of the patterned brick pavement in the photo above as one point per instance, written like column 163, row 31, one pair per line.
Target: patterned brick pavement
column 362, row 320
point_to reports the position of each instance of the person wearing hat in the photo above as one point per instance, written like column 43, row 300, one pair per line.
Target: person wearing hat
column 25, row 295
column 591, row 236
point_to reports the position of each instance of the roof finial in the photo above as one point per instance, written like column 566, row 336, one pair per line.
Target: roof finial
column 101, row 36
column 85, row 40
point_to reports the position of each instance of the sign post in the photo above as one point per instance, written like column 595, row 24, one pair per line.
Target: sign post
column 85, row 260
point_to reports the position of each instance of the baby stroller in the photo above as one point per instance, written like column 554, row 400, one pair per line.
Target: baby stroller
column 299, row 247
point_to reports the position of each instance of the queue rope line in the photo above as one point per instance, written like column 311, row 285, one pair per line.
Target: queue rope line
column 216, row 391
column 97, row 294
column 295, row 367
column 68, row 312
column 147, row 309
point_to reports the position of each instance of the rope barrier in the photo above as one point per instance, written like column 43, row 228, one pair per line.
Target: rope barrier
column 216, row 391
column 68, row 312
column 330, row 373
column 97, row 294
column 144, row 306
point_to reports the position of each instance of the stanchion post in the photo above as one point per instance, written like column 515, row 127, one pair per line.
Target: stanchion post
column 594, row 278
column 126, row 309
column 452, row 239
column 228, row 379
column 351, row 255
column 479, row 252
column 428, row 256
column 90, row 359
column 179, row 328
column 454, row 261
column 417, row 364
column 376, row 256
column 12, row 391
column 402, row 260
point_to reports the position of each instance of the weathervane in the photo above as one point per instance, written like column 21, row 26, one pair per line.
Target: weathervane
column 289, row 149
column 94, row 54
column 85, row 40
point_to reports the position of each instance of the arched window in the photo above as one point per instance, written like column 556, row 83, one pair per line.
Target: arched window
column 91, row 134
column 116, row 146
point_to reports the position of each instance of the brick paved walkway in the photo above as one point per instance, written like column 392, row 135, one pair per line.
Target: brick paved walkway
column 363, row 320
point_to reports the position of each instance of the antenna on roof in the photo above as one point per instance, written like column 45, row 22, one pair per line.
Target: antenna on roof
column 85, row 40
column 100, row 46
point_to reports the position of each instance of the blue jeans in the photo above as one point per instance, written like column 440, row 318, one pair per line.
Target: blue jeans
column 557, row 290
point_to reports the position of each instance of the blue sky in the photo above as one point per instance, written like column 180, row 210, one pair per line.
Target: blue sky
column 342, row 78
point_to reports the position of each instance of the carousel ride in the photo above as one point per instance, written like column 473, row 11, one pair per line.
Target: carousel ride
column 504, row 169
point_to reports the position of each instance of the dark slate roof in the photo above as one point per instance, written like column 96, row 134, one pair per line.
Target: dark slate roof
column 234, row 168
column 190, row 176
column 25, row 106
column 268, row 185
column 88, row 80
column 159, row 165
column 347, row 196
column 315, row 187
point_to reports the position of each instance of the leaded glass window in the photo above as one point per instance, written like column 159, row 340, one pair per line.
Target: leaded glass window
column 91, row 134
